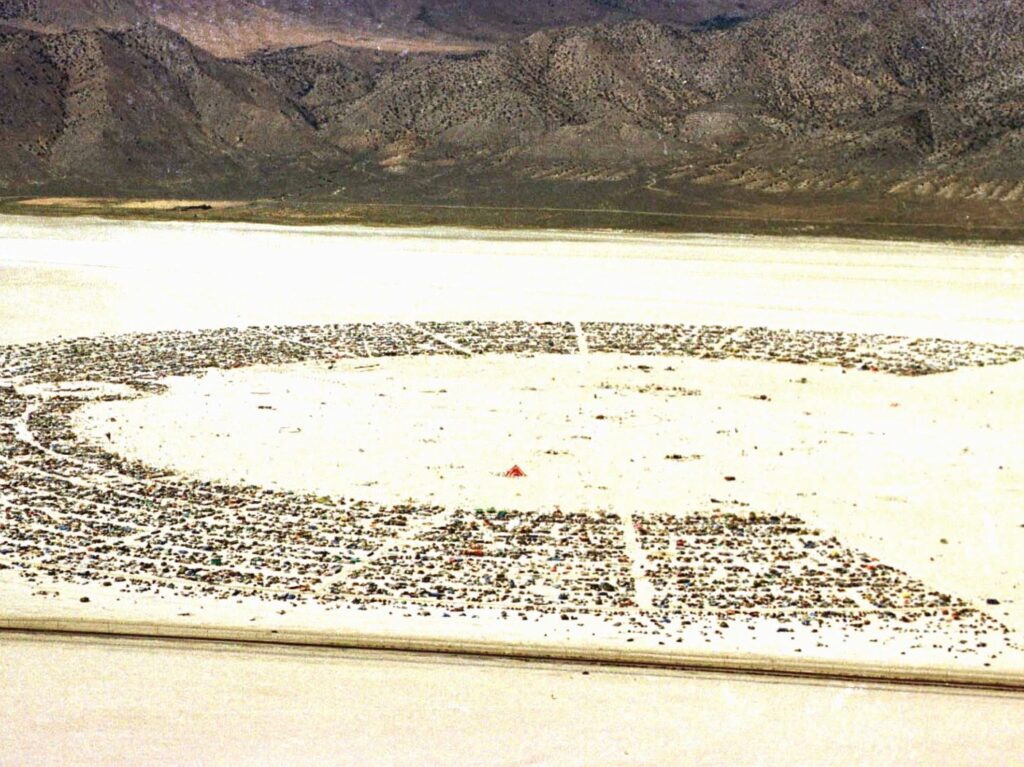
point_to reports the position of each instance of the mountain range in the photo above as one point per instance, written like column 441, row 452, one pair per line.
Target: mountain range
column 643, row 102
column 232, row 28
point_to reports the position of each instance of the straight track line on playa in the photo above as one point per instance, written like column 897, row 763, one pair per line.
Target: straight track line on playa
column 581, row 337
column 638, row 660
column 638, row 562
column 322, row 348
column 42, row 565
column 455, row 346
column 408, row 534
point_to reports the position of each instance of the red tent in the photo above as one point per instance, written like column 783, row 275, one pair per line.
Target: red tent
column 515, row 472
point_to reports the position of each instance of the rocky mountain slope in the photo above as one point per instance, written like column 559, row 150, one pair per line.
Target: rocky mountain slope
column 239, row 27
column 57, row 15
column 853, row 99
column 139, row 107
column 923, row 95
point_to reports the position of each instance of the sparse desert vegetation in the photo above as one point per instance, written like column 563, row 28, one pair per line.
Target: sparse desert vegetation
column 859, row 111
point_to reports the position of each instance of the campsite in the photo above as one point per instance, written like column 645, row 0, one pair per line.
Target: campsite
column 734, row 481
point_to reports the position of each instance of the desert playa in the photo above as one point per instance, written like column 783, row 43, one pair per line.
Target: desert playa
column 69, row 277
column 864, row 456
column 769, row 447
column 216, row 705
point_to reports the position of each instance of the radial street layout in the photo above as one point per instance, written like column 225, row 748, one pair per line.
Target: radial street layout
column 729, row 444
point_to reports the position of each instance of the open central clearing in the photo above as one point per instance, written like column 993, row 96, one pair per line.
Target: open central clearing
column 924, row 473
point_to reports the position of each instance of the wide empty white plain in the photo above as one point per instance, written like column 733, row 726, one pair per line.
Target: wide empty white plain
column 90, row 702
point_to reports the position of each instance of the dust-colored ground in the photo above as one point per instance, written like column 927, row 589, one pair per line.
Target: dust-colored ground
column 67, row 277
column 103, row 702
column 67, row 202
column 923, row 473
column 919, row 472
column 691, row 212
column 98, row 204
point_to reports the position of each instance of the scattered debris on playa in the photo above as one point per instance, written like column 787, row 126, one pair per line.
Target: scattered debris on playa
column 74, row 513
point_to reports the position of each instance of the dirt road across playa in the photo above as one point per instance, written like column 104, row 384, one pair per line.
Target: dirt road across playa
column 88, row 702
column 750, row 447
column 442, row 651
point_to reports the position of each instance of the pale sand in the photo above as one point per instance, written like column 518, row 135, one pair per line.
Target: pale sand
column 104, row 702
column 173, row 204
column 65, row 202
column 81, row 277
column 99, row 202
column 889, row 465
column 85, row 277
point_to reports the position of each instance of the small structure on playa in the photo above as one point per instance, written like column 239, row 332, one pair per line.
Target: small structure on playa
column 515, row 473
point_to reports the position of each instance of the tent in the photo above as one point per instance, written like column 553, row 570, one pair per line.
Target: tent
column 515, row 473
